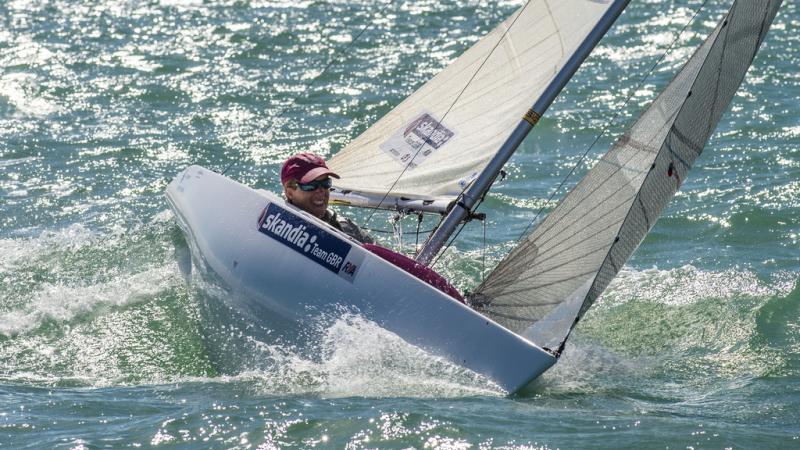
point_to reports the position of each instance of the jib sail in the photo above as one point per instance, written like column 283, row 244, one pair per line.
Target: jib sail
column 547, row 283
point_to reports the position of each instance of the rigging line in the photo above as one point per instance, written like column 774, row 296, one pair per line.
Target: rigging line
column 455, row 236
column 419, row 225
column 341, row 51
column 623, row 165
column 564, row 237
column 598, row 203
column 475, row 207
column 614, row 118
column 378, row 230
column 502, row 176
column 449, row 108
column 444, row 250
column 483, row 257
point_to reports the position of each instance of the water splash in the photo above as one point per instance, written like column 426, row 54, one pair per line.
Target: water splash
column 84, row 307
column 355, row 357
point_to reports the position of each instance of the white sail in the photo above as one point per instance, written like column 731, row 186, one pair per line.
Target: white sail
column 546, row 284
column 439, row 138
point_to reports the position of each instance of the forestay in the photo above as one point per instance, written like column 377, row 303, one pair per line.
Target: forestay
column 439, row 138
column 546, row 284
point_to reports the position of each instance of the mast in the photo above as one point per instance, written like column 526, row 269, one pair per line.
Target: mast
column 467, row 200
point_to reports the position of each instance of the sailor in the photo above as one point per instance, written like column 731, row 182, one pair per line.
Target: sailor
column 306, row 181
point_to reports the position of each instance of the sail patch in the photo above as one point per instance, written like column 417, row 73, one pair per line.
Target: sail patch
column 311, row 241
column 417, row 140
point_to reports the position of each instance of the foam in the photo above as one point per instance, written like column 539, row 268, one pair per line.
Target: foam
column 62, row 302
column 18, row 88
column 363, row 359
column 356, row 357
column 16, row 250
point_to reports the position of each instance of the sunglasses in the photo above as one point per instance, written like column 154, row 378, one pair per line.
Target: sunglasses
column 327, row 183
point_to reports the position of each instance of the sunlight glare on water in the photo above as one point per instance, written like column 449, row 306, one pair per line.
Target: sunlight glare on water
column 102, row 103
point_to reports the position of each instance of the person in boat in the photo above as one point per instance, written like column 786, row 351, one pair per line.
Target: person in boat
column 306, row 181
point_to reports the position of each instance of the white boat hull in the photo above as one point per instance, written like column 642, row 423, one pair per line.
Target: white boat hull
column 284, row 266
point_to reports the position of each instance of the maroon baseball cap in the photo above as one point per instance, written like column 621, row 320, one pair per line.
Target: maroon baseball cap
column 304, row 167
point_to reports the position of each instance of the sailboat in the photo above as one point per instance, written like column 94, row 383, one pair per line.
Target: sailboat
column 439, row 151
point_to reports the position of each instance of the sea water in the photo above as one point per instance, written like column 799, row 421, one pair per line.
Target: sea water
column 102, row 103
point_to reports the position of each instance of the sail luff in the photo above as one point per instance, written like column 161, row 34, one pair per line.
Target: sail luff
column 678, row 123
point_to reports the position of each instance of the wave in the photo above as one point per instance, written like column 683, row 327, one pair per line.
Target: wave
column 60, row 302
column 87, row 308
column 703, row 330
column 337, row 354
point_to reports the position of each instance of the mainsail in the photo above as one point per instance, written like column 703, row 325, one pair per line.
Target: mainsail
column 547, row 283
column 442, row 136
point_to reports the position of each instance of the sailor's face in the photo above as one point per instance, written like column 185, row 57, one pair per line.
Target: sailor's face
column 314, row 202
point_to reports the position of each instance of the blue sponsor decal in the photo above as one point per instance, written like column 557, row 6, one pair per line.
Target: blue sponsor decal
column 309, row 240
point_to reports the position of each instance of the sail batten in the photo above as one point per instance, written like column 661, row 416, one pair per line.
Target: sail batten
column 628, row 188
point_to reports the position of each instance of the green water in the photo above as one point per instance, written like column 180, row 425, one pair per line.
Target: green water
column 695, row 344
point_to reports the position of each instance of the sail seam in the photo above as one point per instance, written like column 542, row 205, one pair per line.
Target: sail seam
column 719, row 35
column 544, row 285
column 439, row 124
column 500, row 268
column 580, row 202
column 561, row 265
column 554, row 247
